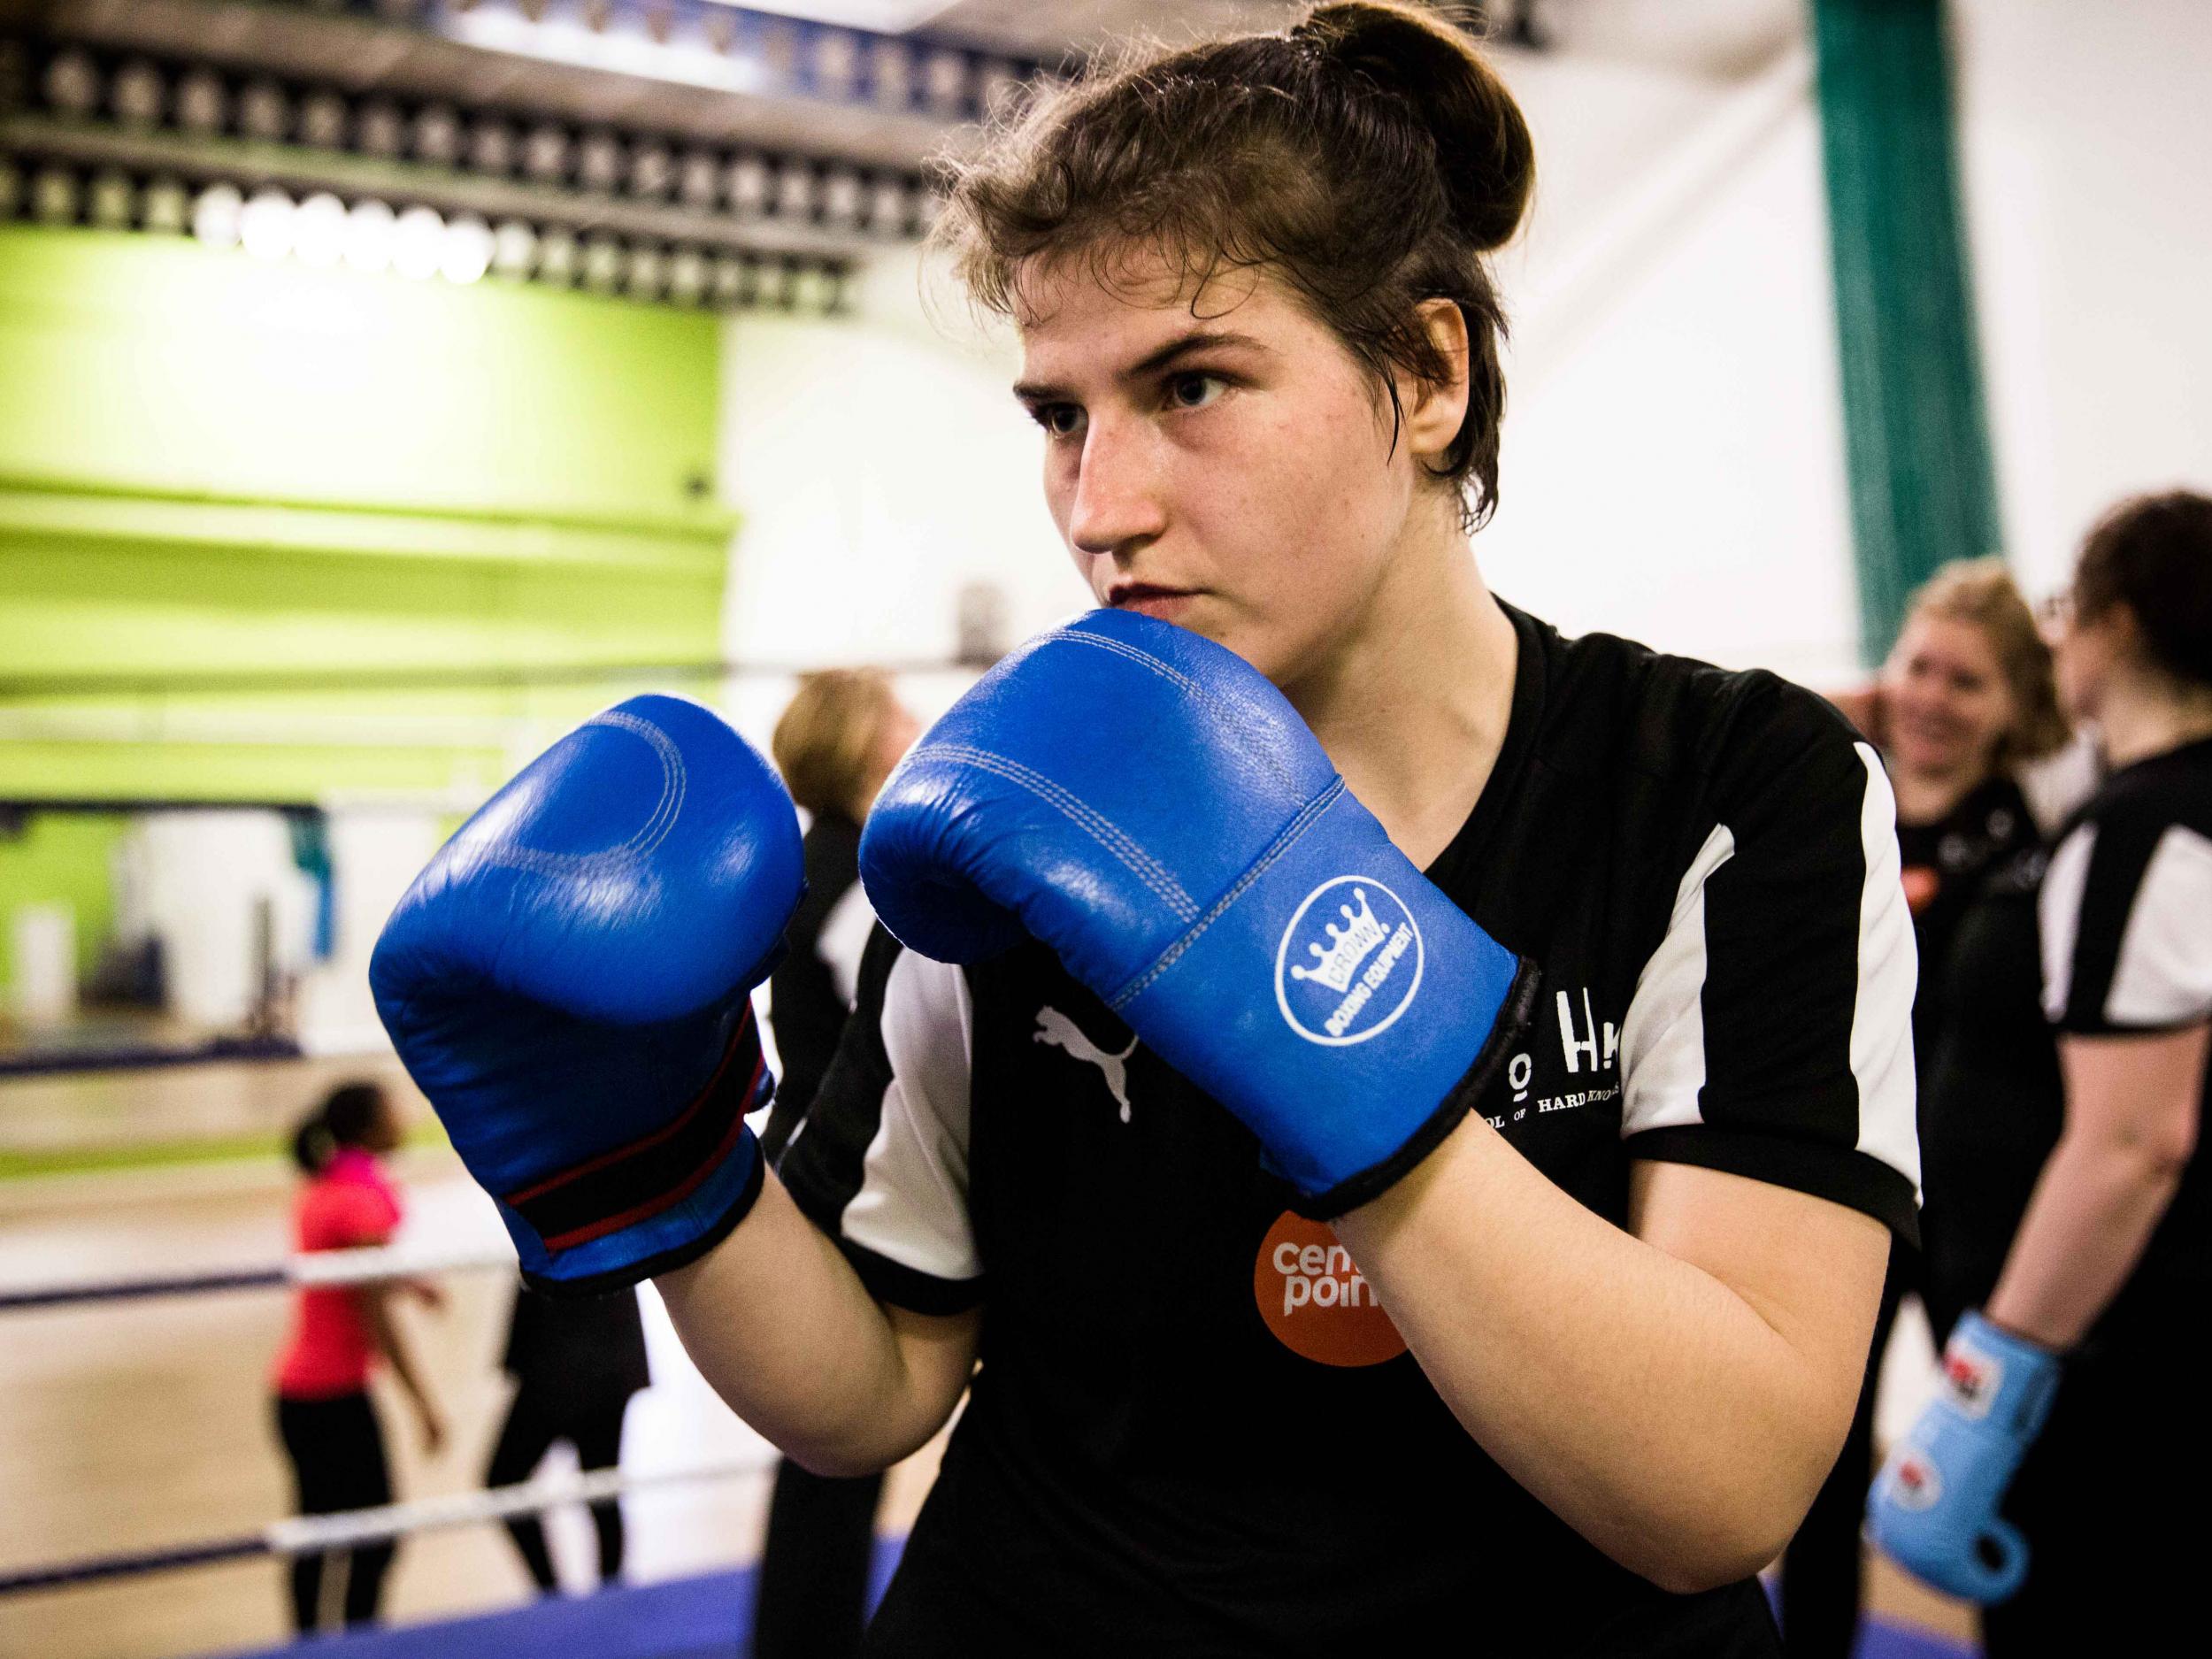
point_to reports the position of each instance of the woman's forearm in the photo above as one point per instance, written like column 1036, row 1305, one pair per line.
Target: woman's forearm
column 779, row 1323
column 2095, row 1206
column 1641, row 1399
column 386, row 1333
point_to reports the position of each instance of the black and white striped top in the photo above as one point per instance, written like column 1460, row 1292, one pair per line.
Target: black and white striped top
column 1704, row 865
column 2127, row 905
column 2106, row 936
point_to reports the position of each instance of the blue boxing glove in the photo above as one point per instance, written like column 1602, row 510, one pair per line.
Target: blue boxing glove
column 1934, row 1505
column 1143, row 801
column 569, row 981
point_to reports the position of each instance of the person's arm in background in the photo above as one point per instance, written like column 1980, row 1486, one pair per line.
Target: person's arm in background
column 2132, row 1106
column 376, row 1304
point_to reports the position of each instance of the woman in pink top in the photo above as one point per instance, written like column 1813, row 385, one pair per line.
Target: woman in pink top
column 324, row 1415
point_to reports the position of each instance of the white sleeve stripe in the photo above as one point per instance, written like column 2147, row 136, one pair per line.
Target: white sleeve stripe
column 2059, row 915
column 1889, row 974
column 2164, row 975
column 1663, row 1035
column 913, row 1204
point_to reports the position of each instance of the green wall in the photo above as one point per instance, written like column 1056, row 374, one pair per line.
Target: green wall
column 209, row 464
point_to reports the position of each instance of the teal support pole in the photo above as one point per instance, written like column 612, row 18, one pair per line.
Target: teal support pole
column 1916, row 436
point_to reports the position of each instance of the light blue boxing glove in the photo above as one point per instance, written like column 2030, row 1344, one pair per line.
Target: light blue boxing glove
column 1934, row 1506
column 569, row 981
column 1143, row 801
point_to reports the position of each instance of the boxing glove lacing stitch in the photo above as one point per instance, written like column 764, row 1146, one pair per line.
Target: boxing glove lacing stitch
column 655, row 830
column 1293, row 833
column 1110, row 835
column 1223, row 712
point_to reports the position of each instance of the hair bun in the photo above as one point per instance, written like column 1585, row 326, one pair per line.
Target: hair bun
column 1483, row 153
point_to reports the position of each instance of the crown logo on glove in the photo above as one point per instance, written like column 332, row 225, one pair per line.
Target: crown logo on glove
column 1348, row 945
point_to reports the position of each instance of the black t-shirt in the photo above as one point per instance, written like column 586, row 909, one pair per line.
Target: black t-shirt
column 2109, row 935
column 577, row 1357
column 1192, row 1431
column 810, row 992
column 1945, row 864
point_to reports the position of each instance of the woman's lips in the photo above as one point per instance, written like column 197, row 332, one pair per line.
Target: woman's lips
column 1149, row 600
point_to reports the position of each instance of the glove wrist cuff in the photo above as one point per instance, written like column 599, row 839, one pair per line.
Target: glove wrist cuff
column 1372, row 1183
column 577, row 1287
column 1990, row 1372
column 633, row 1183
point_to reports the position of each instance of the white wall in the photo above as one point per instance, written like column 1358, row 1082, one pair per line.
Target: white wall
column 880, row 462
column 2087, row 147
column 1672, row 464
column 196, row 881
column 375, row 852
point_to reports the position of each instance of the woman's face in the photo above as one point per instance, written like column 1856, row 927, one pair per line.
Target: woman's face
column 1223, row 462
column 387, row 1129
column 894, row 735
column 1946, row 703
column 2084, row 653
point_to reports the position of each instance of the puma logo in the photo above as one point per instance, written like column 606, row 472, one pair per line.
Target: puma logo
column 1057, row 1029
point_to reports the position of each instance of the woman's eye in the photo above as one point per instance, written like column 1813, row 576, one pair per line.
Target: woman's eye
column 1061, row 420
column 1195, row 391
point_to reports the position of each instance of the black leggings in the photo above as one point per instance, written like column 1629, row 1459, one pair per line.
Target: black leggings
column 1820, row 1570
column 337, row 1453
column 814, row 1568
column 534, row 1423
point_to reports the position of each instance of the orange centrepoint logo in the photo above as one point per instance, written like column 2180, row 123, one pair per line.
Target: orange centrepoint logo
column 1315, row 1299
column 1922, row 884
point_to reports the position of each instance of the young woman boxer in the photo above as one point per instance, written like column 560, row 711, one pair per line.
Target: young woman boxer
column 1415, row 1143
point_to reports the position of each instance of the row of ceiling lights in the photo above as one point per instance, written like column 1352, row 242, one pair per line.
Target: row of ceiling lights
column 323, row 231
column 812, row 50
column 201, row 103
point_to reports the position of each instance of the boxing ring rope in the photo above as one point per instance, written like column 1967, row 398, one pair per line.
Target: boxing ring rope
column 311, row 1268
column 311, row 1534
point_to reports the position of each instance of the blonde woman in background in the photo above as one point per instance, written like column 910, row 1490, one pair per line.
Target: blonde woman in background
column 1965, row 702
column 843, row 732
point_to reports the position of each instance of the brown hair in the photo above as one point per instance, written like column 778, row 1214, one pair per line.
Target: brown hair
column 1982, row 592
column 825, row 740
column 1367, row 156
column 2154, row 555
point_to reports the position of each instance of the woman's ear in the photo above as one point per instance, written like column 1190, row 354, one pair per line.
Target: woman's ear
column 1435, row 410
